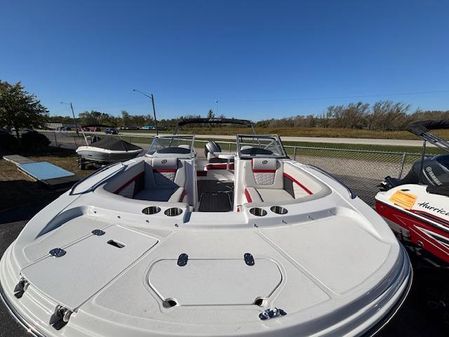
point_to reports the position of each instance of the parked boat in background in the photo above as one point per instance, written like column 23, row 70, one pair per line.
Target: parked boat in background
column 107, row 150
column 417, row 206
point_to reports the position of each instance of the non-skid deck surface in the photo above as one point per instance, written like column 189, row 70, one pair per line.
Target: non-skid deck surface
column 215, row 202
column 215, row 196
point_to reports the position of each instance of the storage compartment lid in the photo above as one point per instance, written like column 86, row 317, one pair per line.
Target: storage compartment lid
column 76, row 272
column 214, row 281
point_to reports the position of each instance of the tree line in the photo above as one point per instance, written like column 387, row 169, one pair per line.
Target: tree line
column 382, row 115
column 21, row 109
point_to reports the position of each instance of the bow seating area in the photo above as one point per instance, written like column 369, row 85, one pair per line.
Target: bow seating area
column 272, row 180
column 156, row 179
column 257, row 173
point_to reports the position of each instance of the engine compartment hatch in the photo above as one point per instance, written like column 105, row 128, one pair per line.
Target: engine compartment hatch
column 200, row 281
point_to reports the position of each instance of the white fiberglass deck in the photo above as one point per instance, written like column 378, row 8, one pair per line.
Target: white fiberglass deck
column 172, row 245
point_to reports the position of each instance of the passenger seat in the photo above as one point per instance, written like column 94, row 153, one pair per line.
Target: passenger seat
column 164, row 181
column 263, row 181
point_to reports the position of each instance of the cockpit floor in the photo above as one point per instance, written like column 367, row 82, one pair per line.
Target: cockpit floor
column 215, row 196
column 215, row 202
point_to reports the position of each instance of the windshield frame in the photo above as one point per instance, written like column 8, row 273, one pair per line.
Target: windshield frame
column 274, row 138
column 156, row 145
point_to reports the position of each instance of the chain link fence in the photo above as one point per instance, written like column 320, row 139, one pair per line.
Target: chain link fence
column 361, row 170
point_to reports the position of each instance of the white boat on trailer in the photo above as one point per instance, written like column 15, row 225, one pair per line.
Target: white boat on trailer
column 169, row 245
column 107, row 150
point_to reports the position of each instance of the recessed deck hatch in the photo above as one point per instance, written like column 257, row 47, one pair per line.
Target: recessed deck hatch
column 214, row 281
column 87, row 266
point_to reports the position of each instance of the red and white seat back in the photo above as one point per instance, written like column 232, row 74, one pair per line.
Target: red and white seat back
column 165, row 173
column 164, row 170
column 264, row 173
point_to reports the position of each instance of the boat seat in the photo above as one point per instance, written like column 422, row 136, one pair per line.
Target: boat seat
column 264, row 181
column 165, row 179
column 270, row 180
column 166, row 194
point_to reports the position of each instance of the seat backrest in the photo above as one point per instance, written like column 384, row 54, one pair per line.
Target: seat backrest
column 263, row 173
column 164, row 173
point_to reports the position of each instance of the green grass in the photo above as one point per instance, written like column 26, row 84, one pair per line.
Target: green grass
column 318, row 149
column 311, row 132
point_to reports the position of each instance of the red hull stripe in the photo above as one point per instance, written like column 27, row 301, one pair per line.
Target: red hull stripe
column 416, row 226
column 118, row 190
column 248, row 196
column 432, row 217
column 289, row 177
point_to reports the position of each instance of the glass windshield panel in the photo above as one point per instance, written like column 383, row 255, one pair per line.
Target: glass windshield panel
column 171, row 144
column 260, row 146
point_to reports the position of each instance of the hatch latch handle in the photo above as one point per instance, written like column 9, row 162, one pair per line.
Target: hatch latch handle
column 60, row 317
column 271, row 313
column 20, row 287
column 182, row 259
column 249, row 259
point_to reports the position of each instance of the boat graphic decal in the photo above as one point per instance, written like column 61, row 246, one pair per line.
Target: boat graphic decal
column 439, row 210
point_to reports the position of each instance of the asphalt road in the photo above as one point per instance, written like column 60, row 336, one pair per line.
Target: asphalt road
column 285, row 139
column 416, row 318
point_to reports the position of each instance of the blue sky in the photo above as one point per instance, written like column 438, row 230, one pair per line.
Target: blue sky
column 260, row 59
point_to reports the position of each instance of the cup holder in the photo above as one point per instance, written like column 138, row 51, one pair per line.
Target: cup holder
column 151, row 210
column 173, row 211
column 278, row 210
column 257, row 211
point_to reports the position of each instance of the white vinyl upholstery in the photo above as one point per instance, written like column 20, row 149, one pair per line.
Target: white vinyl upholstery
column 271, row 194
column 252, row 195
column 264, row 170
column 164, row 171
column 263, row 180
column 164, row 194
column 165, row 179
column 272, row 180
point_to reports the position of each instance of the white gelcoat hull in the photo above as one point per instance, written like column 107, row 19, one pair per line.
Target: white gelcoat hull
column 331, row 263
column 96, row 154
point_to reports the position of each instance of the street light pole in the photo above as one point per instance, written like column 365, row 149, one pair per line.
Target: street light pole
column 154, row 114
column 150, row 96
column 74, row 120
column 73, row 114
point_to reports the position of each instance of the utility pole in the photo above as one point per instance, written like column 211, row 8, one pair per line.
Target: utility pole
column 150, row 96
